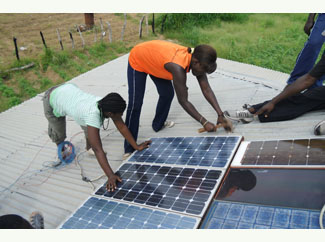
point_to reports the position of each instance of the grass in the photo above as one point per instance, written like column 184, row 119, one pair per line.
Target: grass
column 268, row 40
column 53, row 67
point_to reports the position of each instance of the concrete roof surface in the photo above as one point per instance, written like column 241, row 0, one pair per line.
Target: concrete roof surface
column 28, row 184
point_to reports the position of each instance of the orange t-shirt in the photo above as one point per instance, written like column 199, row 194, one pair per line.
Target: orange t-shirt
column 150, row 57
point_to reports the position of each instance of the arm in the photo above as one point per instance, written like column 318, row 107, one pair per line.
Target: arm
column 309, row 23
column 210, row 96
column 96, row 145
column 299, row 85
column 123, row 129
column 179, row 81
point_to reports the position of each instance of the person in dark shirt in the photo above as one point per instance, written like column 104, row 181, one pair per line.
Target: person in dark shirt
column 291, row 102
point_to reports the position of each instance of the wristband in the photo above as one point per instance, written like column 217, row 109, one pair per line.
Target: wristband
column 205, row 123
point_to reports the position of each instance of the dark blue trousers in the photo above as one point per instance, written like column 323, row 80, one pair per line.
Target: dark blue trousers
column 137, row 86
column 308, row 55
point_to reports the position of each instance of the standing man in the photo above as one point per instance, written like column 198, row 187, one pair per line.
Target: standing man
column 167, row 64
column 309, row 53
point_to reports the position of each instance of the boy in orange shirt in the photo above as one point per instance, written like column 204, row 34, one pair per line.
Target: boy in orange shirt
column 165, row 61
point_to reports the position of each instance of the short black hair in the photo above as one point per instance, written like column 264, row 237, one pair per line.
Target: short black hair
column 112, row 102
column 207, row 56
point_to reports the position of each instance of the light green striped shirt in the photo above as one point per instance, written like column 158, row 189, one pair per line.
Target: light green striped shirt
column 69, row 100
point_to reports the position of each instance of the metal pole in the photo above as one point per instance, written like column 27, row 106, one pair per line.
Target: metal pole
column 43, row 39
column 72, row 42
column 16, row 48
column 59, row 37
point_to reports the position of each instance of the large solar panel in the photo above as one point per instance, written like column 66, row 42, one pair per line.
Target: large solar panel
column 229, row 215
column 294, row 153
column 194, row 151
column 184, row 190
column 98, row 213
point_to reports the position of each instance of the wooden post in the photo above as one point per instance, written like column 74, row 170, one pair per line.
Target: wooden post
column 59, row 37
column 109, row 32
column 153, row 23
column 72, row 42
column 140, row 27
column 102, row 29
column 124, row 26
column 83, row 41
column 163, row 23
column 43, row 40
column 89, row 20
column 16, row 48
column 147, row 24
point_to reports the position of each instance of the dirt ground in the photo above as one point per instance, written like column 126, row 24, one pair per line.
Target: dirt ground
column 26, row 28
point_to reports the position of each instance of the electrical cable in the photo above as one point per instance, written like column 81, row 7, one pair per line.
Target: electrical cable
column 321, row 217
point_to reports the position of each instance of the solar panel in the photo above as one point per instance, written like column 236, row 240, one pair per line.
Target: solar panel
column 193, row 151
column 98, row 213
column 296, row 188
column 184, row 190
column 295, row 153
column 229, row 215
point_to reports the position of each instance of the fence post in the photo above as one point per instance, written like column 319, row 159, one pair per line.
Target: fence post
column 109, row 32
column 124, row 26
column 43, row 40
column 140, row 27
column 16, row 48
column 83, row 41
column 153, row 23
column 163, row 23
column 102, row 29
column 72, row 42
column 59, row 37
column 147, row 24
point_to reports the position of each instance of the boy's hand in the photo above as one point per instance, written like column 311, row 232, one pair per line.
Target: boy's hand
column 266, row 109
column 111, row 182
column 144, row 145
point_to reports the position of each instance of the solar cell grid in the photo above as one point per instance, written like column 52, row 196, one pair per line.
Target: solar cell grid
column 285, row 152
column 194, row 151
column 252, row 216
column 102, row 214
column 184, row 190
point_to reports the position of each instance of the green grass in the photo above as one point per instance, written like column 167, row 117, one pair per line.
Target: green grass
column 268, row 40
column 16, row 87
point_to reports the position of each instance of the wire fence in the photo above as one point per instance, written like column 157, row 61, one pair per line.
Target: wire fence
column 26, row 35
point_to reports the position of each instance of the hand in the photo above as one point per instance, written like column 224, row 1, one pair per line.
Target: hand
column 308, row 27
column 266, row 109
column 210, row 127
column 227, row 125
column 111, row 182
column 144, row 145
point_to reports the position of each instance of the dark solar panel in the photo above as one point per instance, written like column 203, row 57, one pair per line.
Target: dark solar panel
column 285, row 152
column 185, row 190
column 194, row 151
column 102, row 214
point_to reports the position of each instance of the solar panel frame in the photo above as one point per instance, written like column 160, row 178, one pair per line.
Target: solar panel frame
column 234, row 215
column 288, row 154
column 106, row 214
column 203, row 151
column 149, row 196
column 196, row 197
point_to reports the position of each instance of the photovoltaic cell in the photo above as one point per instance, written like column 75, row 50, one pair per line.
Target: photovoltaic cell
column 185, row 190
column 229, row 215
column 285, row 152
column 98, row 213
column 193, row 151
